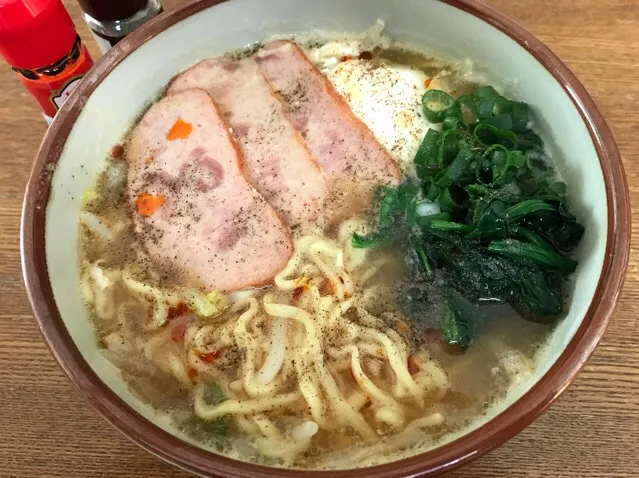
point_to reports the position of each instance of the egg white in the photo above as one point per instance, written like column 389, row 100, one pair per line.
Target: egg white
column 385, row 96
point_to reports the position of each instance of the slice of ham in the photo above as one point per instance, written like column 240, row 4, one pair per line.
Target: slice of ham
column 353, row 161
column 210, row 223
column 277, row 162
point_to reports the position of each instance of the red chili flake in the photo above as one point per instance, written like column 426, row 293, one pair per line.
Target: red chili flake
column 327, row 287
column 117, row 151
column 297, row 293
column 212, row 357
column 428, row 82
column 413, row 368
column 192, row 374
column 177, row 332
column 177, row 310
column 346, row 58
column 366, row 55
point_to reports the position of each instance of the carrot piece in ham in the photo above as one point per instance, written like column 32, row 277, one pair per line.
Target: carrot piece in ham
column 180, row 130
column 147, row 204
column 192, row 373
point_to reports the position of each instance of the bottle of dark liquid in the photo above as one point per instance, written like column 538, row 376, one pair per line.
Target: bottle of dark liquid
column 111, row 20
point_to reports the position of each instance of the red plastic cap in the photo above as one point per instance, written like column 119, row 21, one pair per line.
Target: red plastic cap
column 35, row 33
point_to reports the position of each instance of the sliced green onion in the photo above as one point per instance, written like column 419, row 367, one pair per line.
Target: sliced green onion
column 456, row 169
column 529, row 140
column 516, row 159
column 452, row 198
column 501, row 106
column 451, row 142
column 432, row 191
column 488, row 160
column 485, row 92
column 427, row 148
column 490, row 135
column 502, row 121
column 426, row 171
column 437, row 104
column 519, row 115
column 468, row 109
column 503, row 174
column 485, row 108
column 499, row 163
column 452, row 122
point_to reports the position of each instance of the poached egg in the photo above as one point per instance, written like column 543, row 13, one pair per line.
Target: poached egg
column 383, row 95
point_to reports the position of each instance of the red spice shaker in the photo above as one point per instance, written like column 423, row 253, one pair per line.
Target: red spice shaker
column 39, row 41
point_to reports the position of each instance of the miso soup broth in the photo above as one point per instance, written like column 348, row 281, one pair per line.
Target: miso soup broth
column 328, row 255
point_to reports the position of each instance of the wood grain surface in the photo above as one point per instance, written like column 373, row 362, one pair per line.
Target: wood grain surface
column 48, row 430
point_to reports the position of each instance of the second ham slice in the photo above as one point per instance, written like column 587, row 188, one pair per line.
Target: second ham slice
column 193, row 207
column 351, row 158
column 277, row 162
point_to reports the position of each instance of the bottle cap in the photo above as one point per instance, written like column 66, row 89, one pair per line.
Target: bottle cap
column 35, row 33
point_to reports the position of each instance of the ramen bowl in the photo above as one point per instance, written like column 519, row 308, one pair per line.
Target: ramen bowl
column 129, row 77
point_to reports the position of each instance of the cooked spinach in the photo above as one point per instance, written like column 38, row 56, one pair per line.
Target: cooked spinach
column 485, row 219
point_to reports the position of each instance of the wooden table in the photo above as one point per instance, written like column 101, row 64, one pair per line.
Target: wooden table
column 47, row 428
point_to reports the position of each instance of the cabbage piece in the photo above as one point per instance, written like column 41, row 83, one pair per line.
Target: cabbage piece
column 88, row 197
column 205, row 304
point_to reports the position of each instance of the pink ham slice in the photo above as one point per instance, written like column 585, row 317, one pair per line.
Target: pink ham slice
column 277, row 162
column 353, row 161
column 213, row 224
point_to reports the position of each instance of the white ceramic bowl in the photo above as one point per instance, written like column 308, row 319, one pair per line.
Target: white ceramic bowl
column 113, row 95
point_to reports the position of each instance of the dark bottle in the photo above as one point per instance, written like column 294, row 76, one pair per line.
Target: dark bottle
column 111, row 20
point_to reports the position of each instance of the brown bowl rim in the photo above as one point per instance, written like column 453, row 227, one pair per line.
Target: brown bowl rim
column 198, row 461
